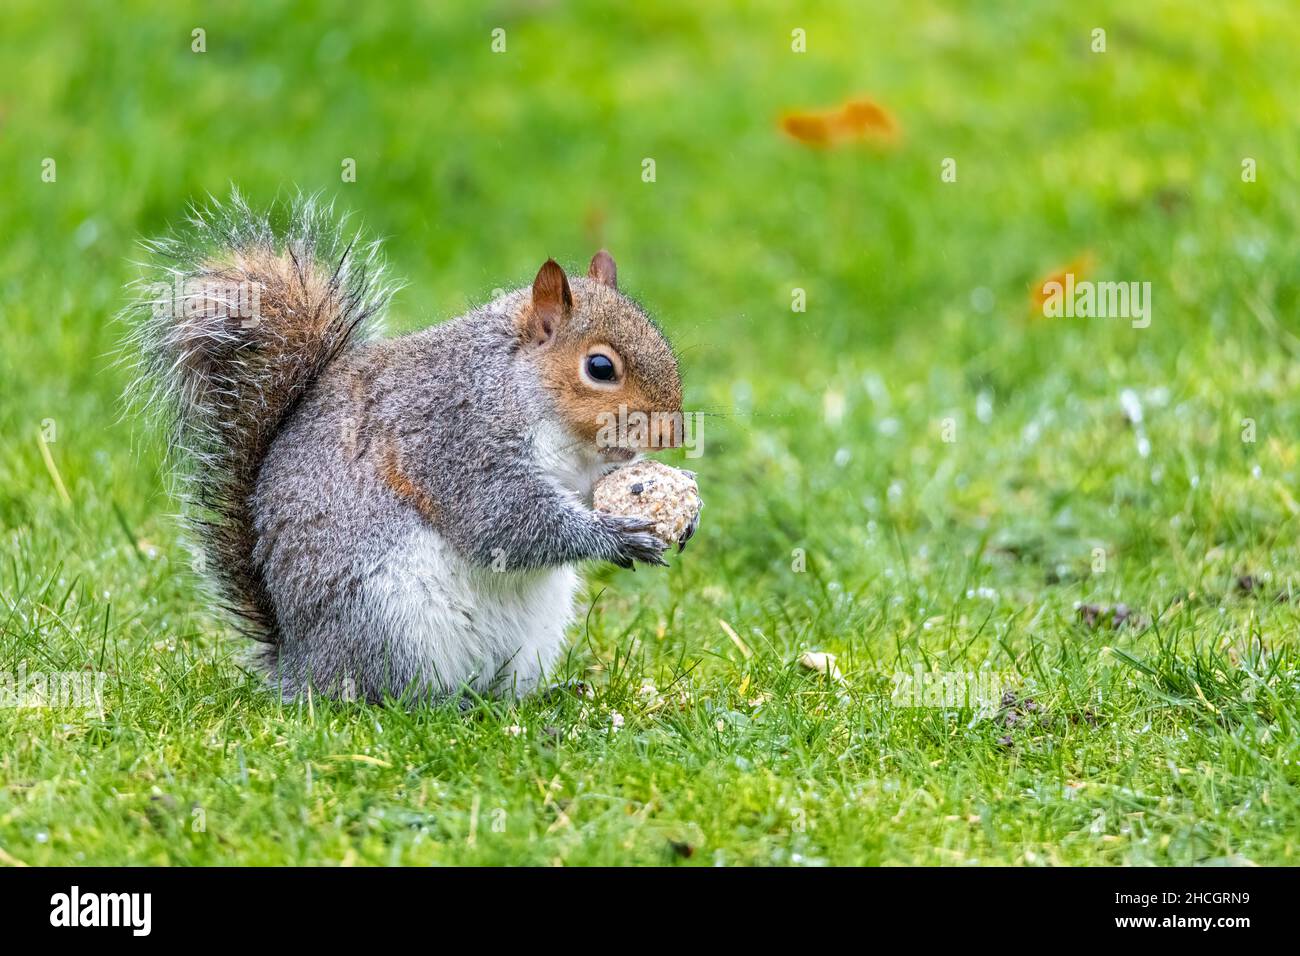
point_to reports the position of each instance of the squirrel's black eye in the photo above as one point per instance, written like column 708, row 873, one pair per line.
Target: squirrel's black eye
column 600, row 367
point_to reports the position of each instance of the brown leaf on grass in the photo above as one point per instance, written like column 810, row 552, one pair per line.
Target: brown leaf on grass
column 1042, row 290
column 1088, row 716
column 1089, row 614
column 682, row 849
column 1093, row 616
column 593, row 225
column 859, row 120
column 868, row 120
column 809, row 129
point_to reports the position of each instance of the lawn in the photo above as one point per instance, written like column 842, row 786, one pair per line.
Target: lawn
column 905, row 463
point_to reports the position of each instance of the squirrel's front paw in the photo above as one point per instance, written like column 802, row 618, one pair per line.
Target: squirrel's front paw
column 632, row 539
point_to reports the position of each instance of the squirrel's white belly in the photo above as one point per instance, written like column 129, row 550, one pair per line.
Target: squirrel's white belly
column 498, row 632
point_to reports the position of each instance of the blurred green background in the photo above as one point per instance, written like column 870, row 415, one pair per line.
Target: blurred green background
column 825, row 428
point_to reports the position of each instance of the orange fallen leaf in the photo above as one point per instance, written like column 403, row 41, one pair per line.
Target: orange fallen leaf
column 1038, row 292
column 813, row 130
column 864, row 117
column 857, row 120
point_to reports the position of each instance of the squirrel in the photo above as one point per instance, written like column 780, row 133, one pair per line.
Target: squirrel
column 392, row 516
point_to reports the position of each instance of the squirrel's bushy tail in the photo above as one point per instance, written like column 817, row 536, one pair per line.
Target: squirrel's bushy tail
column 236, row 317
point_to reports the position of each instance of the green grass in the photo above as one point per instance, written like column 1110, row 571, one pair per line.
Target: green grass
column 1169, row 740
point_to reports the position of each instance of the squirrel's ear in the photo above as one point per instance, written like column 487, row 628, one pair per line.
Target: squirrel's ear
column 552, row 303
column 603, row 269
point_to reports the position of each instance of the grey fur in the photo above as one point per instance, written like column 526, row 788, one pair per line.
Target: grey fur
column 306, row 468
column 224, row 389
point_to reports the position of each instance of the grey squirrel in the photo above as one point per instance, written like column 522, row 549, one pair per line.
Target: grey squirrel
column 395, row 516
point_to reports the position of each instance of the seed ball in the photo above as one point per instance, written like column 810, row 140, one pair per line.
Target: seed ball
column 666, row 496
